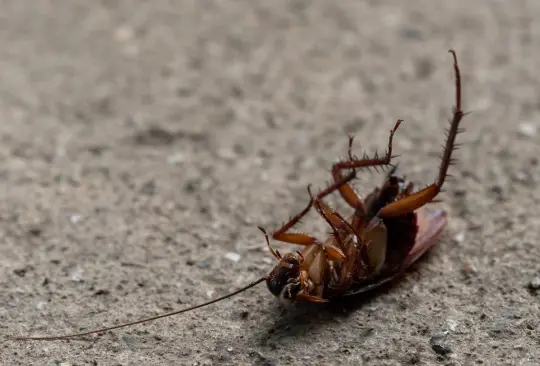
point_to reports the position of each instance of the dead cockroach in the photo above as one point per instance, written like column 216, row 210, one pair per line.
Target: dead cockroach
column 388, row 231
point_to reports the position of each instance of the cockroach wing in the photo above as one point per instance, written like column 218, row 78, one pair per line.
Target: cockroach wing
column 431, row 224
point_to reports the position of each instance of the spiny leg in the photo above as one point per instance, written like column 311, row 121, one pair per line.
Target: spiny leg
column 341, row 184
column 346, row 191
column 336, row 221
column 274, row 252
column 426, row 195
column 282, row 233
column 327, row 213
column 335, row 253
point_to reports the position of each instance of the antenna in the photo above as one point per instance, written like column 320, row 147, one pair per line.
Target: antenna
column 76, row 335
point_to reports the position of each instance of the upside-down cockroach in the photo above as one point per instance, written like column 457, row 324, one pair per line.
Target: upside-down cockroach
column 387, row 232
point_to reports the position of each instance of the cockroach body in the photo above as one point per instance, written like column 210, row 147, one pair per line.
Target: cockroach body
column 388, row 231
column 363, row 252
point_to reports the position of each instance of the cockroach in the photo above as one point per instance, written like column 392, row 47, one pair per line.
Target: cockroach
column 388, row 231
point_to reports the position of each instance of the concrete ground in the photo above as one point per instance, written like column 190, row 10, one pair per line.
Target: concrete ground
column 143, row 142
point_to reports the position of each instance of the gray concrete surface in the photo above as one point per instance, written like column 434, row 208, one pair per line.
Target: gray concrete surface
column 143, row 141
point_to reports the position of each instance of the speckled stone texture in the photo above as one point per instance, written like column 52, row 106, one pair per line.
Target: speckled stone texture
column 142, row 142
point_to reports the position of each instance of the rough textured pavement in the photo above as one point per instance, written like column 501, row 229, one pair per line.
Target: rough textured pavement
column 141, row 142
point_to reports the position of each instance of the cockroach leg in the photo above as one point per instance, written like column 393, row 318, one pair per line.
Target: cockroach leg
column 297, row 238
column 346, row 225
column 274, row 252
column 426, row 195
column 282, row 233
column 347, row 192
column 333, row 252
column 327, row 213
column 309, row 298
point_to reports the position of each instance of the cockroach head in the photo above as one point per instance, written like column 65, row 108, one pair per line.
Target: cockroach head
column 284, row 280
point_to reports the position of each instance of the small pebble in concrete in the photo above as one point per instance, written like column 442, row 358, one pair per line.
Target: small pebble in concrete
column 439, row 345
column 235, row 257
column 527, row 129
column 534, row 284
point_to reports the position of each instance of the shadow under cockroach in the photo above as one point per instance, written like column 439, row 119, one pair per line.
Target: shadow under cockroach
column 388, row 231
column 291, row 322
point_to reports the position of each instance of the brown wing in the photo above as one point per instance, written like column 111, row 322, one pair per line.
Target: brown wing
column 431, row 224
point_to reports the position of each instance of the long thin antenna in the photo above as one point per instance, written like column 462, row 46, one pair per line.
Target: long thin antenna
column 68, row 336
